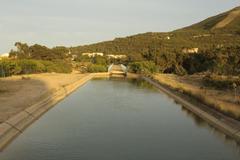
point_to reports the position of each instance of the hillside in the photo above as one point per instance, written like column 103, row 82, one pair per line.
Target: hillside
column 220, row 30
column 227, row 22
column 212, row 45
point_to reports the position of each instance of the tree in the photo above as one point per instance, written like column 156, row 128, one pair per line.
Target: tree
column 22, row 50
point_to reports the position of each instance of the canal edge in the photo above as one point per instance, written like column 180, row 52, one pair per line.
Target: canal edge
column 15, row 125
column 221, row 124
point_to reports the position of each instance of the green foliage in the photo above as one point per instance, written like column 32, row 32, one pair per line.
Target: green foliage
column 8, row 68
column 29, row 66
column 168, row 55
column 22, row 51
column 94, row 68
column 144, row 67
column 219, row 50
column 219, row 82
column 39, row 52
column 57, row 66
column 224, row 61
column 99, row 60
column 83, row 59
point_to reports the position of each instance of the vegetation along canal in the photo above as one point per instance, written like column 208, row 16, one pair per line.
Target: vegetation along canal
column 120, row 119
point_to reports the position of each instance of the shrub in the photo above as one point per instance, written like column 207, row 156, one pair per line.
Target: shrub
column 30, row 66
column 144, row 67
column 57, row 66
column 27, row 66
column 94, row 68
column 8, row 68
column 219, row 82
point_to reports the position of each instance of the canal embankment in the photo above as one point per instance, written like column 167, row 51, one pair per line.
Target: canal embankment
column 225, row 124
column 48, row 89
column 16, row 124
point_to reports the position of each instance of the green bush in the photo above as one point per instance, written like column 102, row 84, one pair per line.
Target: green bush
column 57, row 66
column 94, row 68
column 27, row 66
column 144, row 67
column 8, row 68
column 220, row 83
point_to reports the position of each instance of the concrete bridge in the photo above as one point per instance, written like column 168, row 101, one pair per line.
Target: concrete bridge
column 117, row 70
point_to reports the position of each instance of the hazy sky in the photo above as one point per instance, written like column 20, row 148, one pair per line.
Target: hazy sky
column 76, row 22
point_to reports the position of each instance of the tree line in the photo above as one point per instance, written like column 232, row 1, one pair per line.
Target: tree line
column 35, row 59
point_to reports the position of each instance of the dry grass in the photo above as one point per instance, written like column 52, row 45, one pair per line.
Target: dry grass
column 221, row 100
column 232, row 15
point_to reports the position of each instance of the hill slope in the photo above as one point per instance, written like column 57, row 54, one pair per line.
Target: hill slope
column 228, row 22
column 220, row 30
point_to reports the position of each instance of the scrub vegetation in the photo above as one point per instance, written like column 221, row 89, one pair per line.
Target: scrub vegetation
column 223, row 98
column 30, row 66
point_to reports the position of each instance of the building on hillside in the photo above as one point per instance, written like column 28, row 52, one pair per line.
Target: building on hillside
column 220, row 46
column 116, row 56
column 190, row 50
column 168, row 38
column 93, row 54
column 4, row 56
column 202, row 35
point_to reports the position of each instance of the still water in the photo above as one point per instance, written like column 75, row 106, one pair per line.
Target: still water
column 120, row 120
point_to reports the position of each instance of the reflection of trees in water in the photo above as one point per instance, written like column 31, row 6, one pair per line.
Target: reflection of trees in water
column 120, row 78
column 136, row 81
column 203, row 124
column 142, row 84
column 198, row 121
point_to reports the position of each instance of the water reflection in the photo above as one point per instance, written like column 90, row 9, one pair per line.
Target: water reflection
column 120, row 119
column 198, row 121
column 203, row 124
column 140, row 83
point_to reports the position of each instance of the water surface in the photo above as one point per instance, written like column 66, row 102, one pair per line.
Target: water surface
column 120, row 120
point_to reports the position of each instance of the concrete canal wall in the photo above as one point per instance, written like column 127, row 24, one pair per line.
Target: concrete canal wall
column 221, row 122
column 16, row 124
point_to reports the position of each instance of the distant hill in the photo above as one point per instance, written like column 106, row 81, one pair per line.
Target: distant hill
column 228, row 22
column 212, row 45
column 221, row 30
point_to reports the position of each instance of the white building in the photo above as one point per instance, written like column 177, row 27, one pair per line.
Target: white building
column 92, row 54
column 168, row 37
column 116, row 56
column 190, row 50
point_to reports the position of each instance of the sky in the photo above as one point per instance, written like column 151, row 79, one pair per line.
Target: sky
column 79, row 22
